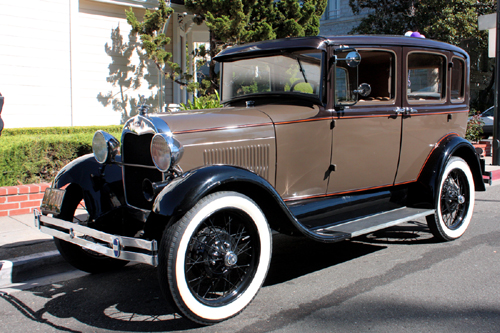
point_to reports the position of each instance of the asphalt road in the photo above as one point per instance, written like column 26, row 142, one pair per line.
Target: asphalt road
column 397, row 280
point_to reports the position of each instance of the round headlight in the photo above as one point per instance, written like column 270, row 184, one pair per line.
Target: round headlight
column 161, row 152
column 105, row 147
column 100, row 147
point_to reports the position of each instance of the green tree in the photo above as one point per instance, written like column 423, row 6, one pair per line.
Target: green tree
column 451, row 21
column 153, row 40
column 230, row 22
column 236, row 21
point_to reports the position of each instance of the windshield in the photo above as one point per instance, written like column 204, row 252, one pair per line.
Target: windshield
column 291, row 73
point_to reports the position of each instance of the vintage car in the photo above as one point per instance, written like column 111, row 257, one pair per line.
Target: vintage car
column 326, row 138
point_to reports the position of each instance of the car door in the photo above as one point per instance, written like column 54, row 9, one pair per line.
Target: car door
column 433, row 106
column 366, row 136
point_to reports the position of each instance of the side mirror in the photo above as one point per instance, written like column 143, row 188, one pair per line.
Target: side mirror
column 364, row 89
column 353, row 59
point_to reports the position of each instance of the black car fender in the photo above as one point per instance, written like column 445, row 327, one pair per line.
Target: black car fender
column 183, row 192
column 449, row 146
column 101, row 185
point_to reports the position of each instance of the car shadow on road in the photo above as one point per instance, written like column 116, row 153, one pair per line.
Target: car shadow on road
column 130, row 300
column 127, row 300
column 297, row 256
column 409, row 233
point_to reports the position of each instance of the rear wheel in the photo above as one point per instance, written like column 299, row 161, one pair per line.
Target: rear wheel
column 75, row 255
column 455, row 201
column 213, row 261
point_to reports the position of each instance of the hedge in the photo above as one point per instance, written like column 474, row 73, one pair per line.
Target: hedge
column 59, row 130
column 35, row 155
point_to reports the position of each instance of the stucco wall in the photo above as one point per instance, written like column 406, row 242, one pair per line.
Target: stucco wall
column 62, row 63
column 35, row 62
column 109, row 74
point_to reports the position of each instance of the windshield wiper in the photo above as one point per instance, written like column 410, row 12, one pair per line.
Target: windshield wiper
column 302, row 70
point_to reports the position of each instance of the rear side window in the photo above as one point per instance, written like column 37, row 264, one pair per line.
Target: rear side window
column 426, row 77
column 457, row 79
column 377, row 68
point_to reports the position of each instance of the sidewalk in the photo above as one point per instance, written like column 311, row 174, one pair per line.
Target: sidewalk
column 26, row 253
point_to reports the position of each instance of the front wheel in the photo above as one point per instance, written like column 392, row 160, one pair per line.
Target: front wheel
column 213, row 261
column 78, row 257
column 455, row 201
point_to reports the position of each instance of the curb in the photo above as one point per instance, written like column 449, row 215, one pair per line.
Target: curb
column 34, row 266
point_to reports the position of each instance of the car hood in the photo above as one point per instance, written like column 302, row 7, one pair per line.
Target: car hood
column 214, row 119
column 231, row 117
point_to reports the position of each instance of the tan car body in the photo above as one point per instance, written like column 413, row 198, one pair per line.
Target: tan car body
column 329, row 138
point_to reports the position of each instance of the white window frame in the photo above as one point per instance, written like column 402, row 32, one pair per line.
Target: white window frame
column 332, row 9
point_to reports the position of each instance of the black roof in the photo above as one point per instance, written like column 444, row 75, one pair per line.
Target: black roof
column 320, row 43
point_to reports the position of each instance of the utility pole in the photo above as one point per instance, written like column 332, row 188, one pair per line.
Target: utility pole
column 496, row 122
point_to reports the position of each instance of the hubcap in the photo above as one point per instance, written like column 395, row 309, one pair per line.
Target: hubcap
column 460, row 199
column 454, row 199
column 230, row 258
column 222, row 257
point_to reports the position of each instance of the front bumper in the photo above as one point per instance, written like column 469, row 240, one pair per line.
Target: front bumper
column 113, row 246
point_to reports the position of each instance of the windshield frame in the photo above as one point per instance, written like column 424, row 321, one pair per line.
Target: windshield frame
column 319, row 98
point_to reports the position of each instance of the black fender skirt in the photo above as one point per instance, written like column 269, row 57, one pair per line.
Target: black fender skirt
column 450, row 145
column 182, row 193
column 102, row 186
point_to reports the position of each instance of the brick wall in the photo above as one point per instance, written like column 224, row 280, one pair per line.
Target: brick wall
column 22, row 199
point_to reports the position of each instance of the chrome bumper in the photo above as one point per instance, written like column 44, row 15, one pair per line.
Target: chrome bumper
column 113, row 246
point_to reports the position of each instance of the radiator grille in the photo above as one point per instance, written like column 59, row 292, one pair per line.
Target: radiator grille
column 135, row 150
column 254, row 158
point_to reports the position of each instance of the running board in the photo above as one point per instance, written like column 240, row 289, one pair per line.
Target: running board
column 373, row 223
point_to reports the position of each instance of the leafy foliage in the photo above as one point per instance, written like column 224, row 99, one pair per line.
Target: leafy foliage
column 236, row 21
column 474, row 129
column 39, row 131
column 449, row 21
column 230, row 22
column 203, row 102
column 153, row 38
column 35, row 155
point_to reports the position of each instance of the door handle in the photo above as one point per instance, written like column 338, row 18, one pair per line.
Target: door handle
column 405, row 110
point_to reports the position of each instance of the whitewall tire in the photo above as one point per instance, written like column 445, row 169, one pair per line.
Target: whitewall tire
column 455, row 202
column 214, row 260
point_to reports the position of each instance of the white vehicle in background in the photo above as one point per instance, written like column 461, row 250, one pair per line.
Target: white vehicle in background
column 487, row 118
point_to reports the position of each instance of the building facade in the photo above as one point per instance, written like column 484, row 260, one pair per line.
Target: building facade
column 339, row 18
column 75, row 63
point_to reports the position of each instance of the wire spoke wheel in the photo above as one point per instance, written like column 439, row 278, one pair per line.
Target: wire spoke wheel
column 454, row 199
column 455, row 202
column 213, row 261
column 220, row 259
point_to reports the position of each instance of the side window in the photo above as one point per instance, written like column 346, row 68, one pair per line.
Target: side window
column 457, row 79
column 341, row 84
column 426, row 77
column 378, row 70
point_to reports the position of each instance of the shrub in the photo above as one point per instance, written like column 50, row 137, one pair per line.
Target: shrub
column 474, row 129
column 204, row 102
column 35, row 155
